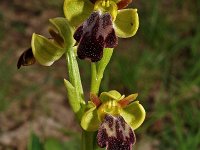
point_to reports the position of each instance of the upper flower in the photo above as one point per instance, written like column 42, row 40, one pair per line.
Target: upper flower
column 116, row 117
column 99, row 24
column 125, row 21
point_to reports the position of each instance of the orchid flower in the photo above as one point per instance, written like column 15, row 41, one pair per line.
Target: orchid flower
column 115, row 117
column 100, row 23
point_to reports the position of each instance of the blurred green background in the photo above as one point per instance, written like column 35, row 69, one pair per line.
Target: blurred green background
column 161, row 63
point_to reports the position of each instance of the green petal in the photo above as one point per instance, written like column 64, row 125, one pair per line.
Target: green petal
column 44, row 50
column 111, row 95
column 47, row 51
column 90, row 121
column 134, row 114
column 126, row 23
column 64, row 29
column 76, row 11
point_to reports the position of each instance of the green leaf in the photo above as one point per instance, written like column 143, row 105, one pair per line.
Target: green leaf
column 134, row 114
column 64, row 30
column 34, row 143
column 45, row 51
column 76, row 11
column 90, row 121
column 126, row 23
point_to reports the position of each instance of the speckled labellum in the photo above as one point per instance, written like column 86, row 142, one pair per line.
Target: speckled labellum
column 115, row 134
column 95, row 34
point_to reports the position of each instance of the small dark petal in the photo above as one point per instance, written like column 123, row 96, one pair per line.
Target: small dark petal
column 78, row 33
column 26, row 59
column 56, row 37
column 115, row 134
column 123, row 3
column 111, row 40
column 95, row 99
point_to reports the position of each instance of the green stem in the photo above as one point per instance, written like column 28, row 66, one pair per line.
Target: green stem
column 87, row 140
column 97, row 70
column 95, row 81
column 75, row 90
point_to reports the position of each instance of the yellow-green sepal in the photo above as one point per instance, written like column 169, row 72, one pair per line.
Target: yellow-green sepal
column 65, row 31
column 111, row 95
column 90, row 121
column 44, row 50
column 126, row 23
column 76, row 11
column 134, row 114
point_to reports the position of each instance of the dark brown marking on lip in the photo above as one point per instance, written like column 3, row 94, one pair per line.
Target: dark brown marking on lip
column 95, row 34
column 115, row 134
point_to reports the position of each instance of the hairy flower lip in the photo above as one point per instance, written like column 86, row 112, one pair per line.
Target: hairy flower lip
column 115, row 134
column 95, row 34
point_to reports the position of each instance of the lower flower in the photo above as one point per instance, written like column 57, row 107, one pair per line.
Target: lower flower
column 115, row 117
